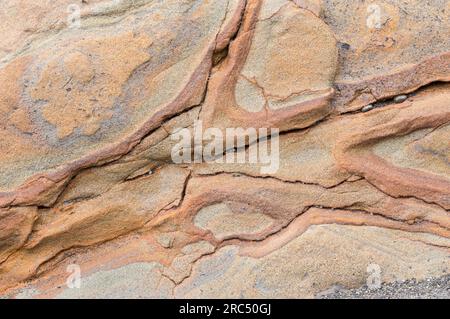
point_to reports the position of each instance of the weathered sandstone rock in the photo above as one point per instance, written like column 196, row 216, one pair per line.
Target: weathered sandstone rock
column 90, row 112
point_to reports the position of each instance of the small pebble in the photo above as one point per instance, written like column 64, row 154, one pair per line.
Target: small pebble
column 165, row 240
column 400, row 98
column 367, row 108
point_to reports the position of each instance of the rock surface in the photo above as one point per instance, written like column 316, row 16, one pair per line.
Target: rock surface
column 89, row 109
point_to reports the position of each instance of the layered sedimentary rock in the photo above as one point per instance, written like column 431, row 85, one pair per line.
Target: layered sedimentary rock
column 93, row 93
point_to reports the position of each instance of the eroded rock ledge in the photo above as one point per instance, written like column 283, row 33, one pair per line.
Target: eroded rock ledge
column 87, row 114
